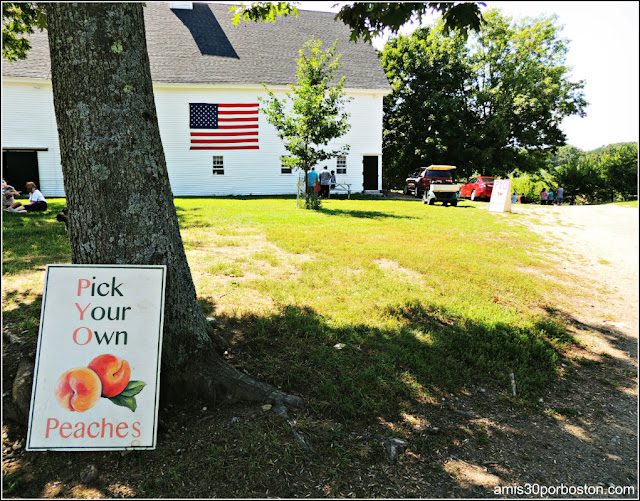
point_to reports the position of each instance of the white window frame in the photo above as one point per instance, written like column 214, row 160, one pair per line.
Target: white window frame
column 341, row 165
column 283, row 168
column 218, row 165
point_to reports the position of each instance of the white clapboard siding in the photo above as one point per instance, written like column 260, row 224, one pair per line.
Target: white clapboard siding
column 28, row 121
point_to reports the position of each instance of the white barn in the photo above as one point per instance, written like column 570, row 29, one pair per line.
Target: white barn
column 198, row 56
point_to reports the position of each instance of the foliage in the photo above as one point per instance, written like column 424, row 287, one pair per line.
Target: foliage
column 19, row 21
column 529, row 184
column 606, row 174
column 369, row 19
column 312, row 114
column 312, row 202
column 263, row 11
column 427, row 105
column 487, row 106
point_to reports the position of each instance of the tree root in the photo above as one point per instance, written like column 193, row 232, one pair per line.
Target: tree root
column 218, row 382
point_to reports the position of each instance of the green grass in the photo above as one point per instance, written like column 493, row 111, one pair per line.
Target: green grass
column 426, row 299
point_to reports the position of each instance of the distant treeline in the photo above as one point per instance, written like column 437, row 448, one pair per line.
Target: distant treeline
column 606, row 174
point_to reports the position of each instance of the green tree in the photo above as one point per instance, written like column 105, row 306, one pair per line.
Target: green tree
column 493, row 104
column 18, row 21
column 312, row 114
column 605, row 174
column 426, row 117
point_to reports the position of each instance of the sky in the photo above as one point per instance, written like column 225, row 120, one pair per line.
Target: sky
column 603, row 51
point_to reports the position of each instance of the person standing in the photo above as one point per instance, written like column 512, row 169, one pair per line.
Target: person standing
column 325, row 182
column 560, row 195
column 544, row 196
column 312, row 179
column 333, row 179
column 550, row 198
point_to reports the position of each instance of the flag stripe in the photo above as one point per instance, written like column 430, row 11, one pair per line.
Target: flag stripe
column 225, row 147
column 238, row 105
column 224, row 125
column 224, row 134
column 223, row 141
column 255, row 119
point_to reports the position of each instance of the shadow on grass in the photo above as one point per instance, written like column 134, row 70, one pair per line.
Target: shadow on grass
column 363, row 214
column 359, row 371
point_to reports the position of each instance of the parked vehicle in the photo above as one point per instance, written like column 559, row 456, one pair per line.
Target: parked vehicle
column 445, row 192
column 477, row 187
column 419, row 182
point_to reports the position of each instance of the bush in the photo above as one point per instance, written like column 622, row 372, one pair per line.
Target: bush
column 312, row 202
column 530, row 185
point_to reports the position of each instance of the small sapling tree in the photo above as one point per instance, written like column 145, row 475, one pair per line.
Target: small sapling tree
column 312, row 114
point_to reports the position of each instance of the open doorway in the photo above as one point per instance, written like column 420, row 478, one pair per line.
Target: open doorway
column 20, row 167
column 370, row 172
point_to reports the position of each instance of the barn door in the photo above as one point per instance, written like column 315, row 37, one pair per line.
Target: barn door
column 19, row 167
column 370, row 172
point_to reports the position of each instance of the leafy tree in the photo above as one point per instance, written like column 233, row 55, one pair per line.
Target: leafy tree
column 426, row 116
column 314, row 117
column 110, row 144
column 369, row 19
column 496, row 102
column 604, row 174
column 618, row 166
column 19, row 21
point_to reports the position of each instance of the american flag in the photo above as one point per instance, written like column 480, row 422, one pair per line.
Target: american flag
column 229, row 126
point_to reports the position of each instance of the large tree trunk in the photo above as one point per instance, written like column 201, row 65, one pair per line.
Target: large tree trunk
column 119, row 198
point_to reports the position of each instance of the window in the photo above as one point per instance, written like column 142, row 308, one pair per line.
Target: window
column 439, row 174
column 218, row 165
column 284, row 169
column 341, row 165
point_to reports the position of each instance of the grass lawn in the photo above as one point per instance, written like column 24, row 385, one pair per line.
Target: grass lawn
column 364, row 307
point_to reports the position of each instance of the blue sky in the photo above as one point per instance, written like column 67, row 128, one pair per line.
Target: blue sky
column 603, row 51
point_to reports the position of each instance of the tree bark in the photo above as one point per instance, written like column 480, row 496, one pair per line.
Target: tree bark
column 120, row 202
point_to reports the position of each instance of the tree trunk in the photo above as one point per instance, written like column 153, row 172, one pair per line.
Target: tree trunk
column 119, row 198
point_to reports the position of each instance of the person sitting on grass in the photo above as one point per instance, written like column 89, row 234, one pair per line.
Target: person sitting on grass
column 8, row 192
column 37, row 202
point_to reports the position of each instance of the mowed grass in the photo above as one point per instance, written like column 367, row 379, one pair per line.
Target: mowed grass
column 365, row 308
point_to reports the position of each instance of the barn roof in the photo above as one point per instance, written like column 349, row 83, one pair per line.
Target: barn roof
column 202, row 46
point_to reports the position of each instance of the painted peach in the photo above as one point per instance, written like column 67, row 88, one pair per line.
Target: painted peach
column 78, row 389
column 113, row 372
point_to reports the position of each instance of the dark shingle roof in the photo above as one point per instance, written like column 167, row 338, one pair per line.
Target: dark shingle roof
column 203, row 46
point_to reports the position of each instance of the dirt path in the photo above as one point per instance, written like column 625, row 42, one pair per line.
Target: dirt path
column 589, row 433
column 597, row 245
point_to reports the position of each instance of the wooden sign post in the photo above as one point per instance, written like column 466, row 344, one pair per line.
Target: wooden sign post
column 97, row 370
column 500, row 196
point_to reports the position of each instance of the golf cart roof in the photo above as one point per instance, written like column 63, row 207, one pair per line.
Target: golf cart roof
column 441, row 167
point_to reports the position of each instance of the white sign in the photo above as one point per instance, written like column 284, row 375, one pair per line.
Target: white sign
column 500, row 196
column 97, row 371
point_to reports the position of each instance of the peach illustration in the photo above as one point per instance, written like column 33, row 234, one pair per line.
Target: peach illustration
column 78, row 389
column 113, row 372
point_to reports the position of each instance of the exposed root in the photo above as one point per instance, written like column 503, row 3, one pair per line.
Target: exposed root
column 281, row 410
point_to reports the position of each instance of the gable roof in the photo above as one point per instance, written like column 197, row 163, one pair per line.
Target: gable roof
column 202, row 46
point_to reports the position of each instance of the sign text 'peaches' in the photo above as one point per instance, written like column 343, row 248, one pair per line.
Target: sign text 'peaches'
column 97, row 371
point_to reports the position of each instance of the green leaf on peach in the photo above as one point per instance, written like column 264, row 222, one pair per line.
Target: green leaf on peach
column 133, row 388
column 128, row 402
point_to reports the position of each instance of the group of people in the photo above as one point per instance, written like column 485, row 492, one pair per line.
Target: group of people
column 320, row 183
column 37, row 202
column 549, row 197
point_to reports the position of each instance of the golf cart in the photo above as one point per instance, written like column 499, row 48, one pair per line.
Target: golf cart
column 447, row 193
